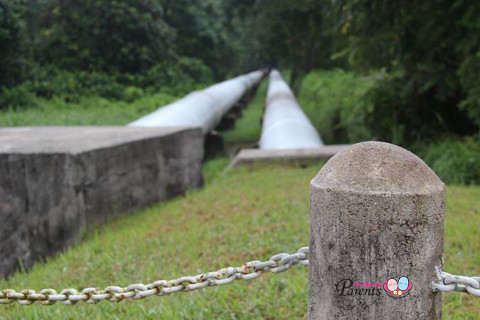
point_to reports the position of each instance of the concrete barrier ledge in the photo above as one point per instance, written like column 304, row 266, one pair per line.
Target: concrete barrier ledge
column 248, row 157
column 56, row 182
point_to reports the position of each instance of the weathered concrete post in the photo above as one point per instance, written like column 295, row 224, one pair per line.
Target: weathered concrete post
column 376, row 235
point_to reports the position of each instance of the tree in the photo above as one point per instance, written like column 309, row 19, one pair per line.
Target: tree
column 288, row 34
column 428, row 51
column 114, row 36
column 12, row 43
column 201, row 32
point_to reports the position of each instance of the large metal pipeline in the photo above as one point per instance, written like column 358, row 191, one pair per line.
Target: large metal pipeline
column 203, row 108
column 285, row 126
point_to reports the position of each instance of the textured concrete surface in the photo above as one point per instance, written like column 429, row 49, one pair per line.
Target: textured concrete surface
column 57, row 181
column 377, row 212
column 255, row 156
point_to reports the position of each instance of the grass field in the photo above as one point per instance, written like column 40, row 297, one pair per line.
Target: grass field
column 248, row 128
column 238, row 216
column 89, row 111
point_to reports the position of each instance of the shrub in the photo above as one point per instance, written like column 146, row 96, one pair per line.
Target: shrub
column 335, row 101
column 455, row 161
column 16, row 97
column 49, row 82
column 178, row 78
column 131, row 93
column 348, row 108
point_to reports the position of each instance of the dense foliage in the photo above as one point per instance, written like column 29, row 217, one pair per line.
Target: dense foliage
column 12, row 43
column 455, row 161
column 430, row 50
column 285, row 33
column 124, row 36
column 428, row 53
column 338, row 104
column 73, row 48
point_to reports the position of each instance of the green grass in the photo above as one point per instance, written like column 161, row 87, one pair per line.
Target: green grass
column 462, row 248
column 248, row 128
column 89, row 111
column 239, row 216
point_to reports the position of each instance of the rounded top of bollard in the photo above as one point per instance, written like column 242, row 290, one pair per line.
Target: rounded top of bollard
column 378, row 168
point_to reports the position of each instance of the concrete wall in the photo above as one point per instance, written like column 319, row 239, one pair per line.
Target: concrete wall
column 57, row 181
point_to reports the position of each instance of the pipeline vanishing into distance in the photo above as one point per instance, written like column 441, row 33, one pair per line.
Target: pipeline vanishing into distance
column 204, row 108
column 285, row 125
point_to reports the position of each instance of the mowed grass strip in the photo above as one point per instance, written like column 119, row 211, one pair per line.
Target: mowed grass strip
column 88, row 111
column 248, row 128
column 462, row 248
column 239, row 216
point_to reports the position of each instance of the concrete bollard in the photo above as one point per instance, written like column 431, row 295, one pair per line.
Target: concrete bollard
column 376, row 236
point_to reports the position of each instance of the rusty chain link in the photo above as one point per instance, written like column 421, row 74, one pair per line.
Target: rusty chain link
column 450, row 282
column 251, row 270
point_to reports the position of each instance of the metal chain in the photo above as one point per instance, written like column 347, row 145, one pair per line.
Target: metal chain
column 449, row 282
column 251, row 270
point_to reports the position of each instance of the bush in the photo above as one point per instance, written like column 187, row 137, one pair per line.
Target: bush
column 455, row 161
column 348, row 108
column 336, row 103
column 177, row 79
column 131, row 93
column 16, row 97
column 51, row 82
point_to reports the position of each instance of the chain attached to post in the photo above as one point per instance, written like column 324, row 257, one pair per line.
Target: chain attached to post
column 449, row 282
column 252, row 270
